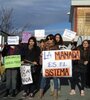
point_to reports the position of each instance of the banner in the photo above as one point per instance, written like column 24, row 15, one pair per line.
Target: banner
column 26, row 76
column 58, row 63
column 12, row 61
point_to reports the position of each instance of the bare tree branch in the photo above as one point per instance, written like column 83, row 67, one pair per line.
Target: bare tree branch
column 7, row 23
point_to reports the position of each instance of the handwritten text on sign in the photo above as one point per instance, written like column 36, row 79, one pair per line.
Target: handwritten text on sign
column 69, row 34
column 58, row 63
column 26, row 76
column 12, row 61
column 13, row 40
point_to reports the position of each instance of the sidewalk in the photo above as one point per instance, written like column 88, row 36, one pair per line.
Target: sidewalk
column 64, row 95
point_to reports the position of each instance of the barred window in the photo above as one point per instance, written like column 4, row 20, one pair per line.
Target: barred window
column 87, row 21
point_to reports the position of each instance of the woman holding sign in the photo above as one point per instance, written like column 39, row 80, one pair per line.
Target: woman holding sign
column 59, row 43
column 51, row 46
column 11, row 62
column 80, row 68
column 31, row 56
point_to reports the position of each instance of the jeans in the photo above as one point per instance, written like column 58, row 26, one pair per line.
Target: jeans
column 45, row 80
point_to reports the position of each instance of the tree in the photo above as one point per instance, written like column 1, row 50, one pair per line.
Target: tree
column 6, row 20
column 7, row 23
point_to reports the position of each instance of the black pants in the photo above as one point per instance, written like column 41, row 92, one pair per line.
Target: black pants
column 35, row 85
column 78, row 77
column 88, row 76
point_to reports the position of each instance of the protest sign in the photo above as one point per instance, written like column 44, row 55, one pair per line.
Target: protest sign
column 39, row 34
column 26, row 76
column 25, row 37
column 68, row 34
column 58, row 63
column 13, row 40
column 1, row 43
column 12, row 61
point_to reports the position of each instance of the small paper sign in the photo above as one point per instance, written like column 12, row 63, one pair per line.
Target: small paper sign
column 69, row 34
column 13, row 40
column 26, row 75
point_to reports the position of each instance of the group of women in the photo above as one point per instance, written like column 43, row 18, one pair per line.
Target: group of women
column 33, row 52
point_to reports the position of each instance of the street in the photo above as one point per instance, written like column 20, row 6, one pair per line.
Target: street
column 63, row 95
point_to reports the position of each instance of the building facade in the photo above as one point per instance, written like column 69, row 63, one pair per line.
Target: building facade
column 80, row 17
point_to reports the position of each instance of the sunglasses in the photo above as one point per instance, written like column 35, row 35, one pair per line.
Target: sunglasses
column 49, row 38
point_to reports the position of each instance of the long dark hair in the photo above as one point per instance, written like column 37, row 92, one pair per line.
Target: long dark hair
column 61, row 40
column 88, row 44
column 34, row 39
column 50, row 36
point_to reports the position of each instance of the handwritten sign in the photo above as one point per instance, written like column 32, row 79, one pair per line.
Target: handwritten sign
column 13, row 40
column 58, row 63
column 26, row 76
column 69, row 34
column 25, row 37
column 1, row 43
column 40, row 33
column 12, row 61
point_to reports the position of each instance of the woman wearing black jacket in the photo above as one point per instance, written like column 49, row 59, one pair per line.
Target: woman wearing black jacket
column 32, row 54
column 80, row 68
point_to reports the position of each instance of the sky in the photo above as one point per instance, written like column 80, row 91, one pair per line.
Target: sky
column 50, row 15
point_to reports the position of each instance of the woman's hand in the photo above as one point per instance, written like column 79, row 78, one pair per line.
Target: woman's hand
column 35, row 63
column 22, row 62
column 85, row 62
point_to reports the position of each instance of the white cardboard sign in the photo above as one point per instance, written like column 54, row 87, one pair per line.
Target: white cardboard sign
column 13, row 40
column 69, row 34
column 1, row 43
column 40, row 33
column 53, row 67
column 26, row 74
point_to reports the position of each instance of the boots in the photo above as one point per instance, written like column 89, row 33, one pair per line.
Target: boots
column 41, row 93
column 13, row 93
column 7, row 93
column 56, row 94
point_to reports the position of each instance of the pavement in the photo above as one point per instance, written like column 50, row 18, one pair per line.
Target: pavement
column 63, row 95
